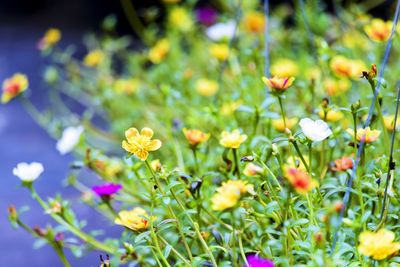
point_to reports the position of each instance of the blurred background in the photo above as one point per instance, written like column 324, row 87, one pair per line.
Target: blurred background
column 22, row 23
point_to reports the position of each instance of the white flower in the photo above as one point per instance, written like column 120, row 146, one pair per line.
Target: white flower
column 219, row 31
column 69, row 139
column 315, row 130
column 28, row 172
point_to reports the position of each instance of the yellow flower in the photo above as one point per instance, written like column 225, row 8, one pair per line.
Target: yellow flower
column 232, row 139
column 252, row 169
column 300, row 180
column 159, row 51
column 354, row 39
column 140, row 144
column 313, row 73
column 277, row 83
column 389, row 122
column 254, row 22
column 219, row 51
column 136, row 219
column 229, row 194
column 50, row 38
column 344, row 67
column 336, row 87
column 284, row 68
column 195, row 137
column 366, row 134
column 279, row 125
column 180, row 19
column 14, row 86
column 331, row 115
column 378, row 245
column 229, row 107
column 126, row 86
column 93, row 58
column 379, row 30
column 156, row 165
column 206, row 87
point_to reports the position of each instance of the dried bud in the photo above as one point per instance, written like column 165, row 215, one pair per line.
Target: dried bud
column 325, row 103
column 319, row 238
column 39, row 231
column 337, row 206
column 12, row 213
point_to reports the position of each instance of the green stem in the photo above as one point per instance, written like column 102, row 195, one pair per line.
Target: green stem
column 311, row 208
column 271, row 173
column 242, row 250
column 196, row 162
column 234, row 259
column 61, row 255
column 235, row 157
column 282, row 111
column 296, row 147
column 179, row 255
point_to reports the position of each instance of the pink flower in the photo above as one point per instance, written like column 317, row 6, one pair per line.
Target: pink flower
column 255, row 261
column 106, row 190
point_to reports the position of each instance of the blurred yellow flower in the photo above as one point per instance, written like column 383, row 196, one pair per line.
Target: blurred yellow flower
column 219, row 51
column 331, row 115
column 284, row 68
column 230, row 107
column 313, row 73
column 344, row 67
column 232, row 139
column 252, row 169
column 94, row 58
column 14, row 86
column 378, row 245
column 366, row 134
column 140, row 144
column 354, row 39
column 159, row 51
column 180, row 19
column 300, row 180
column 277, row 83
column 389, row 122
column 126, row 86
column 254, row 22
column 195, row 137
column 279, row 125
column 50, row 38
column 156, row 165
column 229, row 194
column 335, row 87
column 378, row 30
column 136, row 219
column 206, row 87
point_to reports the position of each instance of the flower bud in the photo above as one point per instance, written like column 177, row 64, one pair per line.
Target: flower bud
column 12, row 213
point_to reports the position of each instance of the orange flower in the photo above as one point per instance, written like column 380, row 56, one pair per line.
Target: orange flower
column 195, row 137
column 343, row 164
column 300, row 180
column 140, row 144
column 277, row 83
column 379, row 30
column 367, row 135
column 13, row 86
column 344, row 67
column 254, row 22
column 336, row 87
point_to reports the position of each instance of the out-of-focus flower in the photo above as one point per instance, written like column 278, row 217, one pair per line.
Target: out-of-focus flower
column 94, row 58
column 50, row 38
column 313, row 73
column 354, row 39
column 136, row 219
column 232, row 139
column 255, row 261
column 14, row 86
column 315, row 130
column 389, row 122
column 54, row 206
column 106, row 190
column 180, row 19
column 140, row 144
column 378, row 30
column 344, row 67
column 343, row 164
column 278, row 84
column 300, row 180
column 296, row 162
column 126, row 86
column 171, row 1
column 156, row 165
column 279, row 125
column 69, row 139
column 219, row 51
column 28, row 172
column 159, row 51
column 331, row 115
column 206, row 87
column 221, row 31
column 229, row 194
column 59, row 237
column 367, row 135
column 206, row 15
column 378, row 245
column 284, row 68
column 195, row 137
column 254, row 22
column 336, row 87
column 252, row 169
column 230, row 107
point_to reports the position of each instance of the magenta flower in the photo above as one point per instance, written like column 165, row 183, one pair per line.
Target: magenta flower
column 255, row 261
column 106, row 190
column 206, row 15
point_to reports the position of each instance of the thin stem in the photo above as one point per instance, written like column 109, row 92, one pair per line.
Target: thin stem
column 179, row 255
column 282, row 111
column 234, row 259
column 242, row 250
column 196, row 162
column 61, row 255
column 296, row 147
column 235, row 157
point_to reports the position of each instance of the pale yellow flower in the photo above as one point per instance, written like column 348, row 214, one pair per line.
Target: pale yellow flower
column 252, row 169
column 180, row 19
column 219, row 51
column 156, row 165
column 126, row 86
column 229, row 194
column 230, row 107
column 136, row 219
column 140, row 144
column 389, row 122
column 232, row 139
column 50, row 38
column 366, row 134
column 378, row 245
column 94, row 58
column 206, row 87
column 284, row 68
column 159, row 51
column 331, row 115
column 279, row 124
